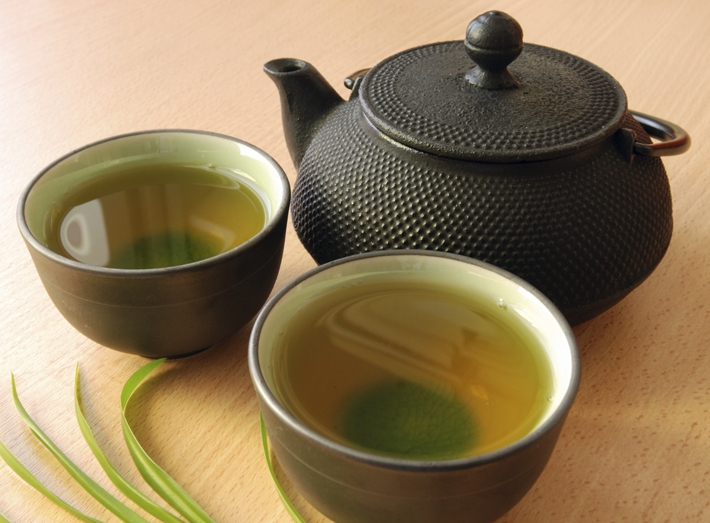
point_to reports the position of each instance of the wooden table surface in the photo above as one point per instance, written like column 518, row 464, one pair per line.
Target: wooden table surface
column 636, row 446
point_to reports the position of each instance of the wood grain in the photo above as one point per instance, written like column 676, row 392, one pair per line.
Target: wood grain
column 636, row 446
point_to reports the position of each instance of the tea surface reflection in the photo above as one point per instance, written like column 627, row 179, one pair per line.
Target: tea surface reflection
column 408, row 370
column 155, row 216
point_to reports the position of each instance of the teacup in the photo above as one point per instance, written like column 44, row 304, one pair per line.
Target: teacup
column 416, row 318
column 136, row 241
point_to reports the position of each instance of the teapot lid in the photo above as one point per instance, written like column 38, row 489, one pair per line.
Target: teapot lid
column 490, row 98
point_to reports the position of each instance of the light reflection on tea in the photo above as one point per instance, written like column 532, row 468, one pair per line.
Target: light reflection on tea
column 409, row 371
column 156, row 216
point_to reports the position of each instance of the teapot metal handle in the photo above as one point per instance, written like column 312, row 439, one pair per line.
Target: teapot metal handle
column 674, row 139
column 352, row 78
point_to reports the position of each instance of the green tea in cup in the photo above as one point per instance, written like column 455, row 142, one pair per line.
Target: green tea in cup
column 412, row 367
column 155, row 215
column 409, row 370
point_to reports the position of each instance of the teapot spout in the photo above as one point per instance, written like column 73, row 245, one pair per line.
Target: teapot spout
column 306, row 99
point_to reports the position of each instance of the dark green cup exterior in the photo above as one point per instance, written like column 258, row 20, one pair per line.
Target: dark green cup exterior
column 173, row 311
column 351, row 486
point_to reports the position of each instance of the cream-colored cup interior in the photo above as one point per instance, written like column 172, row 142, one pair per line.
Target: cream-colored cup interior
column 165, row 147
column 491, row 290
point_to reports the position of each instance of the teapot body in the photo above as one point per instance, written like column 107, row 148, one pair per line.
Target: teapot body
column 585, row 229
column 519, row 155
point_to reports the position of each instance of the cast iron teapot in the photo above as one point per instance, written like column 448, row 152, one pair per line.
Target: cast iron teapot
column 522, row 156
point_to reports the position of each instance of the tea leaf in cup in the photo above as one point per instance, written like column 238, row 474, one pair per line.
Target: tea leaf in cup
column 166, row 249
column 116, row 478
column 410, row 420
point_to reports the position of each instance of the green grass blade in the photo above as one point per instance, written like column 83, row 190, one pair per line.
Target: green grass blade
column 156, row 477
column 32, row 481
column 286, row 502
column 116, row 478
column 93, row 488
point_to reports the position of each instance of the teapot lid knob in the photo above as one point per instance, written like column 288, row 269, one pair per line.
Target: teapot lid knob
column 493, row 40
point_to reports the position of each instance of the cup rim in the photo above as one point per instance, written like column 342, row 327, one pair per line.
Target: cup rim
column 309, row 434
column 272, row 224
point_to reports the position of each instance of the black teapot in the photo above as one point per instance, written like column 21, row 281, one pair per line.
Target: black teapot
column 522, row 156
